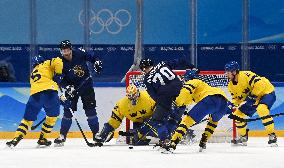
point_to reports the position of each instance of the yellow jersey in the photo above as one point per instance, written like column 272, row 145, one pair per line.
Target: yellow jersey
column 194, row 91
column 42, row 75
column 249, row 83
column 136, row 113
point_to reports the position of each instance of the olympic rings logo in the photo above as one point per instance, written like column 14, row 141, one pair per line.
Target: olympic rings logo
column 106, row 20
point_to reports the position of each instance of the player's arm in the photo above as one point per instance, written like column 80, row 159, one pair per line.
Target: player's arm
column 90, row 57
column 257, row 84
column 57, row 66
column 113, row 123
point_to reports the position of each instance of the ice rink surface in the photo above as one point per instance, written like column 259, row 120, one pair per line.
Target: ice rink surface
column 76, row 154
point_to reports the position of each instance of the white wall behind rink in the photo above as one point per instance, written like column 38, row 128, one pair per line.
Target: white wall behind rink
column 106, row 98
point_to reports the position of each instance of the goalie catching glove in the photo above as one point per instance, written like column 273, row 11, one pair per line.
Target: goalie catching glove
column 98, row 66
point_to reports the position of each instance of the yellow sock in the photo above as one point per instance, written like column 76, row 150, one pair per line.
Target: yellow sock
column 210, row 128
column 268, row 122
column 23, row 128
column 241, row 126
column 186, row 122
column 47, row 126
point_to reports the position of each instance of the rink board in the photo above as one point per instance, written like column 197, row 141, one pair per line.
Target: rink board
column 13, row 100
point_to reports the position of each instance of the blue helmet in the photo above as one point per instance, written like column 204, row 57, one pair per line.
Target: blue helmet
column 38, row 59
column 144, row 63
column 191, row 74
column 232, row 66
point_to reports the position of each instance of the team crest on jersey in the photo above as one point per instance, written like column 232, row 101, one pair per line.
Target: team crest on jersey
column 78, row 70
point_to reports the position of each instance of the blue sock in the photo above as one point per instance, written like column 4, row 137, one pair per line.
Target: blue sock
column 65, row 126
column 93, row 124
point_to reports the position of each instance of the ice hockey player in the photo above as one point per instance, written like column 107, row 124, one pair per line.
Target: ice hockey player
column 43, row 94
column 138, row 107
column 78, row 83
column 209, row 100
column 163, row 85
column 250, row 93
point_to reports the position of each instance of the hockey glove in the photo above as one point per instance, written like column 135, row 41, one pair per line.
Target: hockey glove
column 105, row 133
column 70, row 91
column 98, row 66
column 58, row 78
column 250, row 100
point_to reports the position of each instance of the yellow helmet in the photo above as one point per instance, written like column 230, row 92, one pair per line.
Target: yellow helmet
column 132, row 93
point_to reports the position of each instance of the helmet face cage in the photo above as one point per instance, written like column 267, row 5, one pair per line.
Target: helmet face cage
column 132, row 94
column 144, row 63
column 65, row 44
column 232, row 66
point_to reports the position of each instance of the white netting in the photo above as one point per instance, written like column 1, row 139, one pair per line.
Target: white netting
column 223, row 132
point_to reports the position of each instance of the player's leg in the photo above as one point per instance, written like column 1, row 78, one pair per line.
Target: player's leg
column 219, row 109
column 32, row 109
column 196, row 114
column 52, row 109
column 263, row 110
column 66, row 122
column 242, row 127
column 89, row 105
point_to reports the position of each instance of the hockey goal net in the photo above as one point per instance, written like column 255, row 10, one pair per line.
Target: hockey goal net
column 225, row 130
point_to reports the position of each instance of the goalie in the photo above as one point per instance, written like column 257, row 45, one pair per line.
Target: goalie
column 250, row 93
column 210, row 100
column 138, row 107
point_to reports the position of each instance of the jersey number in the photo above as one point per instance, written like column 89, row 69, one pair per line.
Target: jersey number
column 35, row 76
column 164, row 72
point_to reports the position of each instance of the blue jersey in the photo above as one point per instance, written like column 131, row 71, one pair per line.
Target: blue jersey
column 162, row 80
column 76, row 70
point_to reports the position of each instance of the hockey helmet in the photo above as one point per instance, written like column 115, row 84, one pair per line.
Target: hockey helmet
column 232, row 66
column 65, row 44
column 132, row 93
column 144, row 63
column 190, row 74
column 38, row 59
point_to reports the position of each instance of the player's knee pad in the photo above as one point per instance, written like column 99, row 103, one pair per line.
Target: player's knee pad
column 50, row 120
column 262, row 110
column 187, row 121
column 91, row 112
column 67, row 113
column 160, row 113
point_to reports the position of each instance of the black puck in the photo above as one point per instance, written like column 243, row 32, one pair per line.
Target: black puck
column 130, row 147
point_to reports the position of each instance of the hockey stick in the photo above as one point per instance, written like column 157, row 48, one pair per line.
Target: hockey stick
column 83, row 134
column 75, row 92
column 234, row 117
